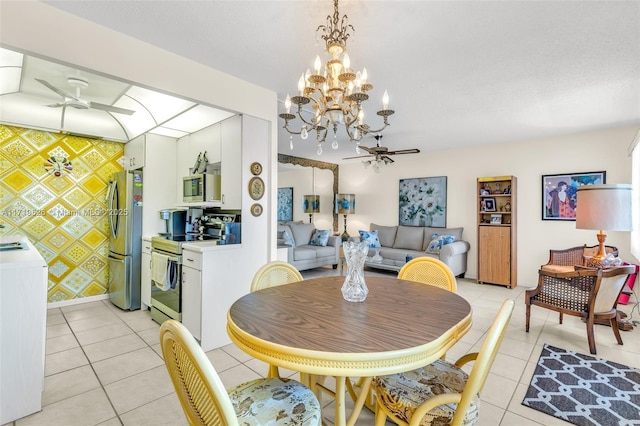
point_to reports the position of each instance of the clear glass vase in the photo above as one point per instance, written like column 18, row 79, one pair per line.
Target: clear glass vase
column 354, row 288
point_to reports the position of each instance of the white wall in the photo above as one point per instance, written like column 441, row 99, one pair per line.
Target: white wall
column 377, row 194
column 307, row 181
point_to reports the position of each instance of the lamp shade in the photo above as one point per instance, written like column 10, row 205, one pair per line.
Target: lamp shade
column 311, row 204
column 345, row 203
column 604, row 207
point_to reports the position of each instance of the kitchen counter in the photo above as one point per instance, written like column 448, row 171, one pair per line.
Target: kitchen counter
column 205, row 246
column 23, row 314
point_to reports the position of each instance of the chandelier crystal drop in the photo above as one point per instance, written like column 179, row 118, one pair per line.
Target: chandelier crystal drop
column 334, row 91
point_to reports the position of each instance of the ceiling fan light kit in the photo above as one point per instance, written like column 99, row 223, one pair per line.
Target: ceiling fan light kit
column 334, row 91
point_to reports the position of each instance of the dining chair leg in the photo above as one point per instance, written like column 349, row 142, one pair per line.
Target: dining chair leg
column 381, row 416
column 590, row 336
column 527, row 318
column 560, row 317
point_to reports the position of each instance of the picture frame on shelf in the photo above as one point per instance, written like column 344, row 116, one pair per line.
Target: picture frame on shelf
column 559, row 193
column 496, row 219
column 489, row 204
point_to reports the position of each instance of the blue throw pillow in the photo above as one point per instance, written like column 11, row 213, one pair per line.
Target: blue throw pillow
column 371, row 237
column 437, row 241
column 320, row 238
column 288, row 241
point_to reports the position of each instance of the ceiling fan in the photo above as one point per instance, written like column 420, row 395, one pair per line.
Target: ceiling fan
column 75, row 101
column 382, row 153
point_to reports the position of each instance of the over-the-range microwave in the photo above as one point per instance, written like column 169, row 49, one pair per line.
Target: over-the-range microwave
column 201, row 188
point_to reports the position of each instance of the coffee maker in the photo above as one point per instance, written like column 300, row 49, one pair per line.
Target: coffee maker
column 175, row 220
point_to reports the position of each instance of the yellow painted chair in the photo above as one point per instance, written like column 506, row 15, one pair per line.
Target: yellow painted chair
column 205, row 400
column 273, row 274
column 430, row 271
column 270, row 275
column 441, row 392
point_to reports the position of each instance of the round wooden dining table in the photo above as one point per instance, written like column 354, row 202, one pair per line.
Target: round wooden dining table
column 308, row 327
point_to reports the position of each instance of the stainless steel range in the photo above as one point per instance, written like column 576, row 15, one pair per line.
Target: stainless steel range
column 166, row 296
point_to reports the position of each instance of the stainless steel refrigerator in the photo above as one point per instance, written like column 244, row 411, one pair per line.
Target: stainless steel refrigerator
column 124, row 204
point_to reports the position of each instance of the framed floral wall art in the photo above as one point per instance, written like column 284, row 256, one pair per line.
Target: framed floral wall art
column 285, row 204
column 423, row 202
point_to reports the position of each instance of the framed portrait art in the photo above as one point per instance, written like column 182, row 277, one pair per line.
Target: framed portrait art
column 559, row 198
column 423, row 202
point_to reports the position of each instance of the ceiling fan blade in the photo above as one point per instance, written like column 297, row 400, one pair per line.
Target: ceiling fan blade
column 404, row 151
column 387, row 160
column 110, row 108
column 58, row 105
column 369, row 150
column 358, row 156
column 55, row 89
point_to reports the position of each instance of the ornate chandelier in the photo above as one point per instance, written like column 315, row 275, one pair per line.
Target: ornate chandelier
column 336, row 92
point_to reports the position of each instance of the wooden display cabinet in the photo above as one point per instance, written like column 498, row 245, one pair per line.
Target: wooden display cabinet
column 497, row 226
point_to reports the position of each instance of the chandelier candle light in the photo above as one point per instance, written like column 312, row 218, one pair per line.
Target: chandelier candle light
column 335, row 91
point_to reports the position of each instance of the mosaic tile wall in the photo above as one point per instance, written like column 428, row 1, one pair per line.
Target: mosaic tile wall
column 64, row 215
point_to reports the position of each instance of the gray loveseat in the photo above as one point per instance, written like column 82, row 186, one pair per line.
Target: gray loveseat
column 399, row 242
column 302, row 254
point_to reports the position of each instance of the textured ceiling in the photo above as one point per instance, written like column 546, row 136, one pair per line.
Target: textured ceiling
column 459, row 73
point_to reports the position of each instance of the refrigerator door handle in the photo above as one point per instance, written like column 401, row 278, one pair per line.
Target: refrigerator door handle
column 112, row 206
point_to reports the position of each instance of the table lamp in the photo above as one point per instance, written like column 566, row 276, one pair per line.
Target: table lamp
column 345, row 204
column 605, row 207
column 311, row 204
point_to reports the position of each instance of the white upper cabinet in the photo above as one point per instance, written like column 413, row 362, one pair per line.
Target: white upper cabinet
column 134, row 151
column 231, row 163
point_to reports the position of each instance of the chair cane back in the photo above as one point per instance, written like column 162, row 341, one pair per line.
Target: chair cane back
column 441, row 393
column 205, row 401
column 430, row 271
column 586, row 292
column 273, row 274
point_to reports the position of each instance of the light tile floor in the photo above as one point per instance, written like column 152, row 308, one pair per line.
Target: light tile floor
column 104, row 365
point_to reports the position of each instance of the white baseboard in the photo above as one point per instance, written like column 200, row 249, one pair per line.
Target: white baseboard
column 78, row 301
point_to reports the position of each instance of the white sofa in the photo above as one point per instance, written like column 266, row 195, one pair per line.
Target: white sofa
column 397, row 243
column 303, row 255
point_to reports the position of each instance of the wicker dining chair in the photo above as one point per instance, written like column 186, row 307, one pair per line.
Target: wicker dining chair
column 429, row 270
column 270, row 275
column 205, row 401
column 273, row 274
column 441, row 392
column 586, row 292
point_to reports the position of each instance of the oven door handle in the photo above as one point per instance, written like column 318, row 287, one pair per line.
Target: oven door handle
column 172, row 258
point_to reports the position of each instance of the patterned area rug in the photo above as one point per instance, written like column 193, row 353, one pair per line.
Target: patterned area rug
column 584, row 390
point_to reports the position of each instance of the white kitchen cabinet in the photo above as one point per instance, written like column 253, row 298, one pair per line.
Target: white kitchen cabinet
column 145, row 274
column 23, row 317
column 134, row 153
column 231, row 162
column 192, row 292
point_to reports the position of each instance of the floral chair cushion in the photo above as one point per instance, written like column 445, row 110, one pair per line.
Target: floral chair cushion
column 273, row 402
column 371, row 237
column 437, row 241
column 402, row 393
column 320, row 238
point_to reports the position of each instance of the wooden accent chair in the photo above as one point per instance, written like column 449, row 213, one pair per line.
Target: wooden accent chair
column 205, row 401
column 586, row 292
column 566, row 260
column 273, row 274
column 430, row 271
column 441, row 392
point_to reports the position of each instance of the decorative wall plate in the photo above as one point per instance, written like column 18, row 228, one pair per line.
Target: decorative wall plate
column 256, row 209
column 256, row 188
column 256, row 168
